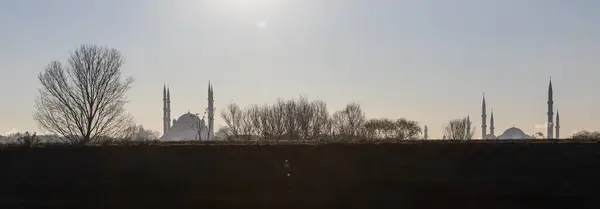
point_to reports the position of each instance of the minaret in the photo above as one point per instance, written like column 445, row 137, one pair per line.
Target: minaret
column 165, row 116
column 425, row 132
column 168, row 108
column 468, row 127
column 483, row 118
column 492, row 124
column 550, row 113
column 211, row 111
column 557, row 126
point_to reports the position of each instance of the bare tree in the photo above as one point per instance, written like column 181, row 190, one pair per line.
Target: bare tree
column 379, row 129
column 277, row 118
column 371, row 127
column 224, row 132
column 407, row 129
column 247, row 127
column 304, row 116
column 586, row 135
column 456, row 129
column 233, row 116
column 384, row 129
column 259, row 117
column 348, row 121
column 255, row 121
column 389, row 130
column 83, row 101
column 330, row 130
column 290, row 121
column 320, row 120
column 265, row 122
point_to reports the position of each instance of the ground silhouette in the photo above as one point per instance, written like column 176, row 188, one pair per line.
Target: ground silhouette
column 412, row 175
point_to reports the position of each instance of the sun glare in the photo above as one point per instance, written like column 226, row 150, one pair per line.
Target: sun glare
column 262, row 24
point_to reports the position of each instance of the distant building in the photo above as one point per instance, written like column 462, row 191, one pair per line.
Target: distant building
column 188, row 126
column 516, row 133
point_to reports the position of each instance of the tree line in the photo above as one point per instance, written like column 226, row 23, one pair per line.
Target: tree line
column 302, row 119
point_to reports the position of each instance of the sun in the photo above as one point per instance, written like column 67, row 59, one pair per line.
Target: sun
column 261, row 24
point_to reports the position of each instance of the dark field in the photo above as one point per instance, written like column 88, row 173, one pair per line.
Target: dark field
column 412, row 175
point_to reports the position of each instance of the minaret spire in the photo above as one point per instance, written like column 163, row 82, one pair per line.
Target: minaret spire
column 492, row 123
column 165, row 107
column 468, row 127
column 168, row 107
column 483, row 118
column 211, row 111
column 557, row 125
column 550, row 113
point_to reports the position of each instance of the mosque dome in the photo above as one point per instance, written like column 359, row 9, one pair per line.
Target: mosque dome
column 186, row 128
column 514, row 133
column 188, row 118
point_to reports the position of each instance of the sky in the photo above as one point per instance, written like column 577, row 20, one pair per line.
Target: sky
column 428, row 61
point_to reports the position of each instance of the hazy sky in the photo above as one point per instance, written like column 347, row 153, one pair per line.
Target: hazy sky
column 427, row 61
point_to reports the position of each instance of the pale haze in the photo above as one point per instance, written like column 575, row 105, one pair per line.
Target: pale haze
column 428, row 61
